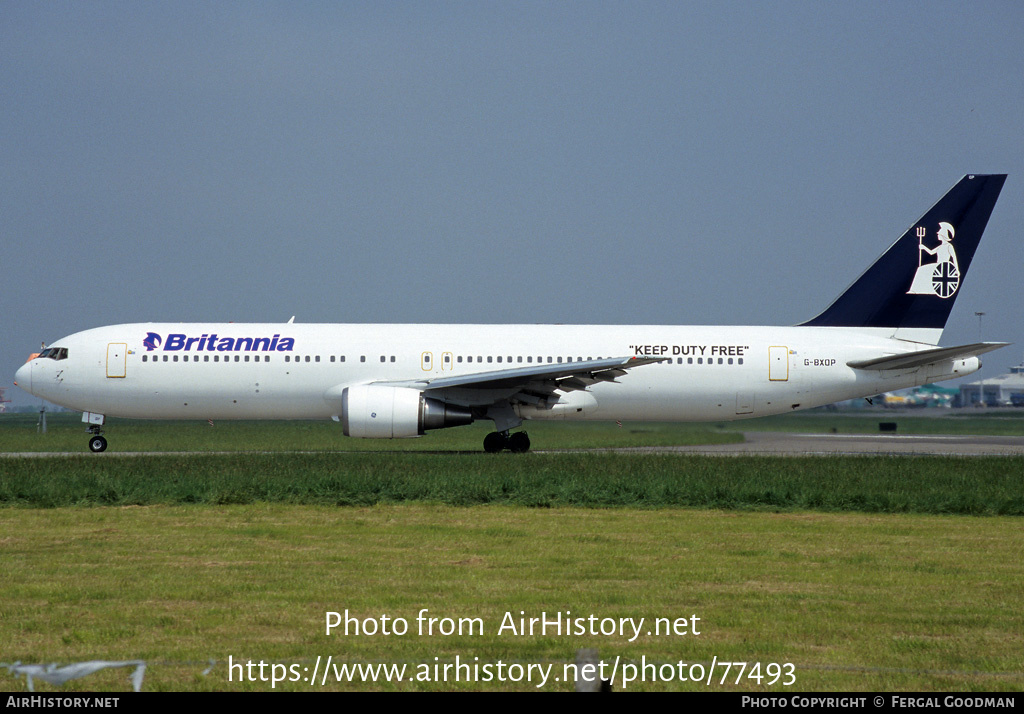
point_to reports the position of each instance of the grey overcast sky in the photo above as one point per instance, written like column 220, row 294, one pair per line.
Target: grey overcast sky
column 595, row 162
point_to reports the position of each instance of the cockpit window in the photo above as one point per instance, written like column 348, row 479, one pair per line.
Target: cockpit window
column 56, row 353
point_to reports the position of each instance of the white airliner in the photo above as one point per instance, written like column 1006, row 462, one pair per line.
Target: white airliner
column 393, row 381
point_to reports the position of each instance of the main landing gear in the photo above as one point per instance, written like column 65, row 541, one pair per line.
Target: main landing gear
column 96, row 441
column 498, row 441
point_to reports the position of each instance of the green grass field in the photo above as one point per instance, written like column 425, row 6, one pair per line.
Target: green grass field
column 866, row 573
column 974, row 486
column 855, row 602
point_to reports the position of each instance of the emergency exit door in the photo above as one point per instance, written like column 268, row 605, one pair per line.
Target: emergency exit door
column 778, row 364
column 117, row 359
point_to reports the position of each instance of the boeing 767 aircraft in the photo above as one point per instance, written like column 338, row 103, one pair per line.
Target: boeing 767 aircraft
column 393, row 381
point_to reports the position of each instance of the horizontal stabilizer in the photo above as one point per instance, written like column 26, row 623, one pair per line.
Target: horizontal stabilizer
column 910, row 360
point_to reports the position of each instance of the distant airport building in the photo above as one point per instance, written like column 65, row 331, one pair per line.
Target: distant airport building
column 1006, row 390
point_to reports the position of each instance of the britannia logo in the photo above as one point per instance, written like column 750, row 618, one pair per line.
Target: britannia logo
column 942, row 277
column 212, row 342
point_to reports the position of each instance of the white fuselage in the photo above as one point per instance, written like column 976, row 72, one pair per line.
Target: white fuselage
column 240, row 371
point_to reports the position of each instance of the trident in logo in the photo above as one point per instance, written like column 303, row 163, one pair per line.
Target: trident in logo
column 942, row 277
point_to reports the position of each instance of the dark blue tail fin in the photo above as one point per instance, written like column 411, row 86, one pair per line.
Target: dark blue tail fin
column 914, row 283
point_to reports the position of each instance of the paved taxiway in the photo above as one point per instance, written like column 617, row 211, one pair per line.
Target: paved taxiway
column 768, row 443
column 774, row 443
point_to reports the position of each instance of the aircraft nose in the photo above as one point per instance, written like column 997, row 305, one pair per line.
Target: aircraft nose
column 23, row 377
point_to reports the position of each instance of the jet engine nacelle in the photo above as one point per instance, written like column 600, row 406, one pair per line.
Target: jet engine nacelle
column 379, row 412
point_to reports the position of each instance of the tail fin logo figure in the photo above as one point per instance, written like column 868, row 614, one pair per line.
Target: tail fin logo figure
column 941, row 278
column 151, row 342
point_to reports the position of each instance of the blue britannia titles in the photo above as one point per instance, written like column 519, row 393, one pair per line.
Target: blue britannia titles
column 215, row 343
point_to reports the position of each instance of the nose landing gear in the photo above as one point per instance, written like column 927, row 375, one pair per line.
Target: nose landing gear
column 96, row 442
column 498, row 441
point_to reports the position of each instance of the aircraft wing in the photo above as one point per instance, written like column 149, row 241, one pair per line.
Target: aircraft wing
column 922, row 357
column 529, row 385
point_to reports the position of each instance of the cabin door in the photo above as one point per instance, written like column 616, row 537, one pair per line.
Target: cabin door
column 117, row 359
column 778, row 364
